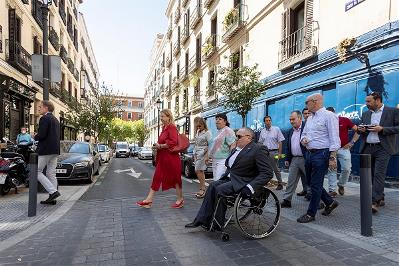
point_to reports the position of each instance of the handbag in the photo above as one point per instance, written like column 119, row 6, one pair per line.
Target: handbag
column 182, row 143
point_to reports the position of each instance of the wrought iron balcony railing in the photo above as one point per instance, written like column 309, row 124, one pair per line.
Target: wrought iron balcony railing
column 168, row 61
column 54, row 39
column 18, row 57
column 185, row 34
column 234, row 21
column 196, row 16
column 61, row 10
column 169, row 32
column 55, row 89
column 70, row 65
column 64, row 54
column 183, row 73
column 76, row 74
column 194, row 63
column 195, row 101
column 208, row 3
column 210, row 46
column 177, row 15
column 175, row 83
column 184, row 3
column 211, row 93
column 296, row 47
column 176, row 48
column 37, row 12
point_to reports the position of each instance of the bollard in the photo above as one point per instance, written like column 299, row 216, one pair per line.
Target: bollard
column 33, row 159
column 366, row 219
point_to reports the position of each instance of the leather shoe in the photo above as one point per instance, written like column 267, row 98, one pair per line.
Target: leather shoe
column 54, row 196
column 286, row 204
column 193, row 224
column 341, row 190
column 332, row 194
column 305, row 219
column 328, row 209
column 301, row 194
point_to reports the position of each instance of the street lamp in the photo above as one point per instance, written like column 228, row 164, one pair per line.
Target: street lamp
column 46, row 71
column 159, row 106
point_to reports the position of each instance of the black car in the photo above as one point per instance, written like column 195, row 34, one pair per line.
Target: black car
column 187, row 161
column 79, row 163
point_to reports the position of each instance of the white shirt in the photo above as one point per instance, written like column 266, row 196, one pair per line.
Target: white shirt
column 372, row 137
column 231, row 162
column 295, row 142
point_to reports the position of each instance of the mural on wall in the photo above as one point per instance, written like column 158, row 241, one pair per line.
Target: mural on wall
column 376, row 83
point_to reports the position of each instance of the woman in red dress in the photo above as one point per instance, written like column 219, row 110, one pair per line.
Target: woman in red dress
column 168, row 166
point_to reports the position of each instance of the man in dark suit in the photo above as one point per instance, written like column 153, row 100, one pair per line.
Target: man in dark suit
column 248, row 167
column 295, row 159
column 48, row 149
column 379, row 129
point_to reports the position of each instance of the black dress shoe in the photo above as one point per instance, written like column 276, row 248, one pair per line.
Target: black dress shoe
column 308, row 196
column 301, row 194
column 54, row 196
column 48, row 202
column 286, row 204
column 328, row 209
column 305, row 219
column 193, row 224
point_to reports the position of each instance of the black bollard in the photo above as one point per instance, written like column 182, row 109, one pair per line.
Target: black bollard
column 32, row 185
column 366, row 218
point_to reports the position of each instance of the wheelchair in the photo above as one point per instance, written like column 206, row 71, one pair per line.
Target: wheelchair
column 256, row 217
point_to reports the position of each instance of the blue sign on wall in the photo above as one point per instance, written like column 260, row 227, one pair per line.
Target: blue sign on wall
column 352, row 3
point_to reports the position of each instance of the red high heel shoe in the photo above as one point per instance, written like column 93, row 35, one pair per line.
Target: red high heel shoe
column 178, row 205
column 144, row 204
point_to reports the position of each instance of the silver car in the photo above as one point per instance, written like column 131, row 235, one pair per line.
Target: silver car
column 145, row 153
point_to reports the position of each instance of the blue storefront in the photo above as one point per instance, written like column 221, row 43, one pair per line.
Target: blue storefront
column 373, row 66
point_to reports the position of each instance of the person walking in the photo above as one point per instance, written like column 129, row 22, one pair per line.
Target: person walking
column 167, row 173
column 295, row 160
column 48, row 149
column 321, row 138
column 272, row 138
column 221, row 146
column 379, row 130
column 248, row 167
column 202, row 139
column 343, row 156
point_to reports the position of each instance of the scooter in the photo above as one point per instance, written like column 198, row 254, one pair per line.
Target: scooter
column 13, row 173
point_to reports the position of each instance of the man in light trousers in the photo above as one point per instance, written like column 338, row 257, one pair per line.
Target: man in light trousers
column 48, row 150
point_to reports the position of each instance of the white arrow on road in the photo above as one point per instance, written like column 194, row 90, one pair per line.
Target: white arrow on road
column 131, row 170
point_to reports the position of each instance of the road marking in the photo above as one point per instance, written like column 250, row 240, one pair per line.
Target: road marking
column 131, row 170
column 121, row 171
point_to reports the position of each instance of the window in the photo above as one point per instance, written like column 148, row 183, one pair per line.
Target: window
column 141, row 104
column 37, row 47
column 70, row 89
column 235, row 60
column 1, row 39
column 140, row 116
column 129, row 116
column 129, row 104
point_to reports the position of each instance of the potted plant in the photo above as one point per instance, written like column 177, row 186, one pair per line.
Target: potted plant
column 343, row 48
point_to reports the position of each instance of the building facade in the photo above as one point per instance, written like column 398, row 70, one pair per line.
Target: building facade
column 130, row 108
column 21, row 36
column 294, row 42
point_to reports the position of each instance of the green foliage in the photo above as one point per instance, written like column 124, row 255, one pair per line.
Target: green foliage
column 130, row 131
column 240, row 86
column 140, row 132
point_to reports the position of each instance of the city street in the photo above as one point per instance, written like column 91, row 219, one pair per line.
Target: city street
column 105, row 227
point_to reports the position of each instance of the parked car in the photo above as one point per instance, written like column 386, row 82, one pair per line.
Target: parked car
column 134, row 150
column 122, row 149
column 145, row 153
column 81, row 162
column 103, row 150
column 187, row 161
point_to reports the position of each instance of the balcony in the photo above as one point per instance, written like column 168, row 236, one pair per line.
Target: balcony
column 210, row 47
column 211, row 94
column 54, row 39
column 176, row 48
column 185, row 35
column 196, row 16
column 169, row 32
column 55, row 89
column 61, row 10
column 168, row 61
column 208, row 3
column 83, row 94
column 185, row 106
column 175, row 83
column 168, row 91
column 70, row 65
column 184, row 3
column 195, row 102
column 64, row 54
column 18, row 57
column 76, row 74
column 297, row 47
column 234, row 21
column 183, row 74
column 70, row 31
column 37, row 12
column 194, row 63
column 177, row 15
column 177, row 111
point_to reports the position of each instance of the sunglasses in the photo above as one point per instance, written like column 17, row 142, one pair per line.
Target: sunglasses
column 311, row 100
column 240, row 136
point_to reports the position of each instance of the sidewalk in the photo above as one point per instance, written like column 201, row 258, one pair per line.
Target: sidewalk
column 344, row 222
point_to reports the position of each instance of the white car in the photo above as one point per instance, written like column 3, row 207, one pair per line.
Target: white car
column 145, row 153
column 122, row 150
column 104, row 152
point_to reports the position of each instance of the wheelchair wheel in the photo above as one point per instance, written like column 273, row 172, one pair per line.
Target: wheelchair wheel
column 258, row 217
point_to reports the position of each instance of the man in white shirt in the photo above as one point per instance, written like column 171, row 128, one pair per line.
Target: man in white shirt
column 272, row 138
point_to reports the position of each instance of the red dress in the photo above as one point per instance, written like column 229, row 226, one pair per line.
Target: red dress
column 168, row 166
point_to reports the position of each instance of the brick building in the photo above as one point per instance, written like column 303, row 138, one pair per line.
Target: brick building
column 132, row 108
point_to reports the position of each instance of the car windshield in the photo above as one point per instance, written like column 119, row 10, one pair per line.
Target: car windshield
column 79, row 148
column 121, row 146
column 101, row 148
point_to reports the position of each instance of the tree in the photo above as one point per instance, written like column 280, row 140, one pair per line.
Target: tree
column 140, row 132
column 241, row 86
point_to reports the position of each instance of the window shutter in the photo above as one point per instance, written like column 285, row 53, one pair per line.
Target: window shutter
column 12, row 22
column 285, row 31
column 308, row 22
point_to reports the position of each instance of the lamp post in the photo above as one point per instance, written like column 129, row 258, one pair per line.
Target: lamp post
column 159, row 106
column 46, row 69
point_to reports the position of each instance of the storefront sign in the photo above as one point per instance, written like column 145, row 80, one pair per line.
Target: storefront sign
column 352, row 3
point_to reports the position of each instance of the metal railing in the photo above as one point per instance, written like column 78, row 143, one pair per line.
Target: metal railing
column 55, row 89
column 70, row 65
column 37, row 12
column 63, row 54
column 176, row 47
column 195, row 101
column 208, row 3
column 186, row 34
column 234, row 20
column 17, row 56
column 61, row 10
column 295, row 43
column 210, row 46
column 194, row 63
column 54, row 39
column 196, row 16
column 183, row 73
column 177, row 15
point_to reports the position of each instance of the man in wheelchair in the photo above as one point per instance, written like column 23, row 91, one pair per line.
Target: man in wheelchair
column 248, row 167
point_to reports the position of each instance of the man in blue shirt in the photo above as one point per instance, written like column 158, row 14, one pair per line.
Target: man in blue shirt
column 321, row 139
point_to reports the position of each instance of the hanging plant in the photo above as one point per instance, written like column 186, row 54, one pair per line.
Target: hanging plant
column 230, row 18
column 343, row 48
column 194, row 79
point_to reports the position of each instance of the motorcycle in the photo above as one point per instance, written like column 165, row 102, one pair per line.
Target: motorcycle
column 13, row 173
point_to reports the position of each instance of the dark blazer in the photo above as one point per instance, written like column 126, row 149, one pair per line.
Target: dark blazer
column 252, row 166
column 388, row 136
column 289, row 155
column 48, row 135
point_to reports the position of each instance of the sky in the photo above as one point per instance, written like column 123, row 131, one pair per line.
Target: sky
column 122, row 33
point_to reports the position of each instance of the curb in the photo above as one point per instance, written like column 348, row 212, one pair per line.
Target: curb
column 55, row 216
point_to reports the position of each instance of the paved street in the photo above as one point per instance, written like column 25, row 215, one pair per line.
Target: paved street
column 105, row 227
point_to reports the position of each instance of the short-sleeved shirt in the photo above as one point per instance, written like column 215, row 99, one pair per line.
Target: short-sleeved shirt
column 345, row 124
column 271, row 137
column 221, row 145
